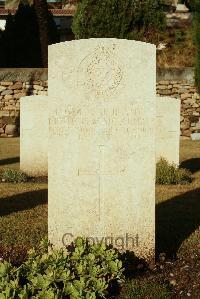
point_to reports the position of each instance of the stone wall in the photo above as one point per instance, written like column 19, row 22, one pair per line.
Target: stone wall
column 15, row 84
column 10, row 94
column 190, row 103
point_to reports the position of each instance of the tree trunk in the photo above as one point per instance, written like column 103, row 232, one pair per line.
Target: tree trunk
column 41, row 9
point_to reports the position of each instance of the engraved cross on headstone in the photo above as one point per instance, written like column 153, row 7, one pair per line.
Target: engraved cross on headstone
column 100, row 173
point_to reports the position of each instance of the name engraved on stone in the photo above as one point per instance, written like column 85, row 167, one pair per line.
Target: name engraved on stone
column 116, row 122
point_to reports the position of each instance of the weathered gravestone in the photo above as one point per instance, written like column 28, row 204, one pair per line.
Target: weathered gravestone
column 102, row 143
column 168, row 129
column 34, row 135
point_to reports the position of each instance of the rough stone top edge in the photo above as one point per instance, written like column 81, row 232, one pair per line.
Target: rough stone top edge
column 144, row 44
column 23, row 74
column 176, row 74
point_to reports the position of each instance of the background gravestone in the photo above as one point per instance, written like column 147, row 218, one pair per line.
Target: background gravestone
column 168, row 129
column 34, row 135
column 102, row 143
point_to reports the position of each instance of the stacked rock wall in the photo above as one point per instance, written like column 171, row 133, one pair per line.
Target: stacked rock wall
column 10, row 94
column 190, row 103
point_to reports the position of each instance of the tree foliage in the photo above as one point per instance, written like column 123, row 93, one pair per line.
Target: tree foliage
column 41, row 9
column 195, row 7
column 20, row 42
column 131, row 19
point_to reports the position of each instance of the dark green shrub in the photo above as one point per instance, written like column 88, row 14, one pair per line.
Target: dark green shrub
column 14, row 176
column 83, row 271
column 131, row 19
column 179, row 36
column 20, row 42
column 167, row 174
column 195, row 7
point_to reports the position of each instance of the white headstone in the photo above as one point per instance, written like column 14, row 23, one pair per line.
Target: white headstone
column 181, row 8
column 195, row 136
column 168, row 129
column 102, row 143
column 34, row 135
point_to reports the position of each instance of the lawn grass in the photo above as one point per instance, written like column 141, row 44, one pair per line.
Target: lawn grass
column 23, row 217
column 23, row 207
column 178, row 208
column 144, row 289
column 9, row 153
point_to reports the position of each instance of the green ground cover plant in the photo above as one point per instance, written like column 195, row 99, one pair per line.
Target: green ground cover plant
column 14, row 176
column 83, row 271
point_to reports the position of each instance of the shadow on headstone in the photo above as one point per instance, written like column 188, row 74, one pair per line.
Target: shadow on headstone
column 176, row 220
column 22, row 202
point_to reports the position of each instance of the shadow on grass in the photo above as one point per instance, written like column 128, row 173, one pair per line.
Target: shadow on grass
column 133, row 265
column 176, row 220
column 191, row 164
column 23, row 201
column 9, row 161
